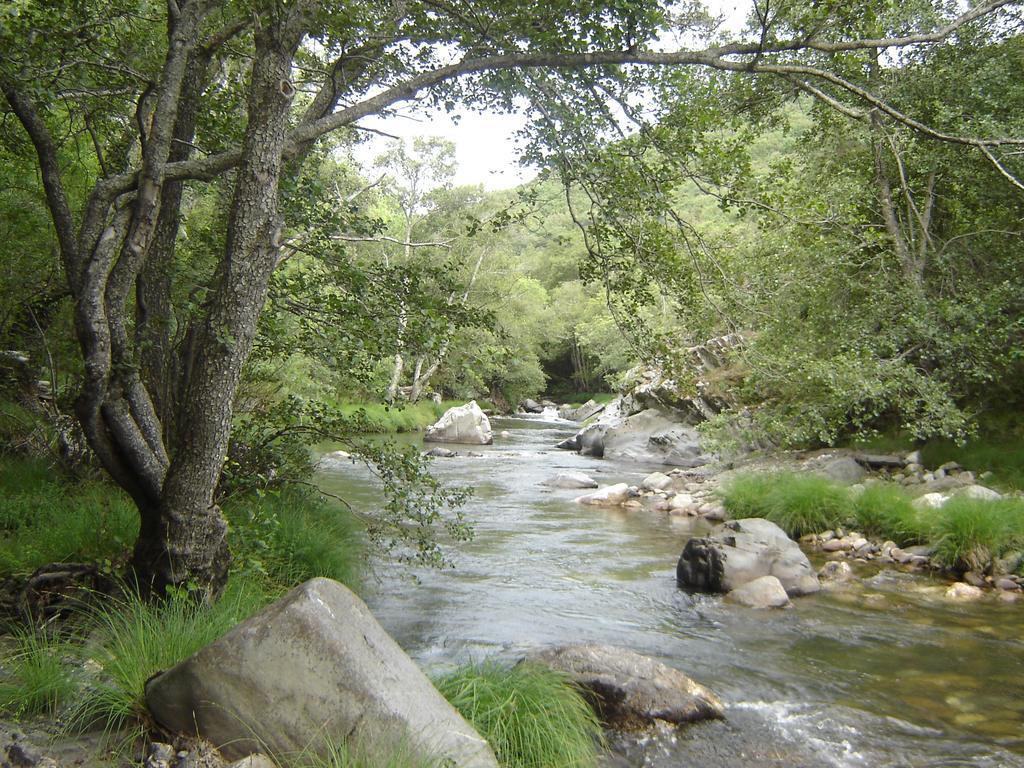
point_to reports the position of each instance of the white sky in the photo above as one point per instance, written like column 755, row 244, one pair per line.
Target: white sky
column 485, row 148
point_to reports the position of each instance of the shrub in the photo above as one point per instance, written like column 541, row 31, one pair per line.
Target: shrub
column 970, row 533
column 885, row 511
column 533, row 717
column 799, row 504
column 39, row 679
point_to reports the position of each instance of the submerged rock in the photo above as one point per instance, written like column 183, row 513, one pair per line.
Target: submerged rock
column 964, row 593
column 462, row 424
column 765, row 592
column 743, row 550
column 629, row 690
column 441, row 453
column 313, row 665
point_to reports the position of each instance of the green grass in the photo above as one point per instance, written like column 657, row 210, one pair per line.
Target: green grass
column 1003, row 457
column 797, row 503
column 969, row 533
column 532, row 717
column 130, row 640
column 46, row 519
column 885, row 511
column 39, row 679
column 343, row 755
column 291, row 536
column 378, row 418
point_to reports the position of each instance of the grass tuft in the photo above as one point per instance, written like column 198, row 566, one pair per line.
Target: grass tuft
column 130, row 640
column 885, row 511
column 532, row 716
column 970, row 533
column 39, row 679
column 799, row 504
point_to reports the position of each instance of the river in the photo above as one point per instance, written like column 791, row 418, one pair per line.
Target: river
column 885, row 673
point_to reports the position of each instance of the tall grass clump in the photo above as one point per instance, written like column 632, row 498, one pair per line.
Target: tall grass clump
column 38, row 678
column 885, row 511
column 44, row 519
column 341, row 754
column 130, row 640
column 533, row 717
column 970, row 533
column 797, row 503
column 292, row 535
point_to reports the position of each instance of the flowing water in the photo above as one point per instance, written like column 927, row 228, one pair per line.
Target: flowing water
column 884, row 673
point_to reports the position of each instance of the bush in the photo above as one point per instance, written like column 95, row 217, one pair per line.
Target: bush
column 799, row 504
column 970, row 533
column 532, row 717
column 39, row 680
column 885, row 511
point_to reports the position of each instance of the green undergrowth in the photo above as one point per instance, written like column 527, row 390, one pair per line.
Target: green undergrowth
column 46, row 518
column 576, row 399
column 289, row 536
column 532, row 716
column 38, row 672
column 378, row 418
column 965, row 533
column 1003, row 457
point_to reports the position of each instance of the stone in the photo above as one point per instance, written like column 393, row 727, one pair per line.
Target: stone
column 914, row 457
column 739, row 551
column 1007, row 584
column 586, row 411
column 254, row 761
column 569, row 444
column 843, row 469
column 571, row 480
column 441, row 453
column 161, row 756
column 681, row 501
column 979, row 492
column 631, row 691
column 880, row 461
column 835, row 545
column 836, row 571
column 656, row 481
column 591, row 440
column 21, row 755
column 609, row 496
column 461, row 424
column 653, row 436
column 765, row 592
column 929, row 501
column 975, row 579
column 963, row 592
column 312, row 665
column 531, row 406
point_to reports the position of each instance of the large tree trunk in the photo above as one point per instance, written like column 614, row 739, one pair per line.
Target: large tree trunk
column 184, row 541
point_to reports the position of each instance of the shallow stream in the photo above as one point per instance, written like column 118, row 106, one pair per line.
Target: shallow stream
column 884, row 673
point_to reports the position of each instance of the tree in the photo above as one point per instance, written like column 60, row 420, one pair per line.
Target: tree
column 160, row 92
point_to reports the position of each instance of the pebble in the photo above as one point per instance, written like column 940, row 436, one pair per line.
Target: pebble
column 975, row 579
column 1007, row 584
column 834, row 545
column 836, row 570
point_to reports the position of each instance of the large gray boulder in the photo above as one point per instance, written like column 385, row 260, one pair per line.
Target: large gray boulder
column 465, row 424
column 653, row 436
column 740, row 551
column 609, row 496
column 314, row 665
column 631, row 691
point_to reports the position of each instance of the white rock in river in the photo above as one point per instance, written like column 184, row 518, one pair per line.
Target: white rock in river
column 571, row 480
column 964, row 592
column 609, row 496
column 463, row 424
column 764, row 592
column 656, row 481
